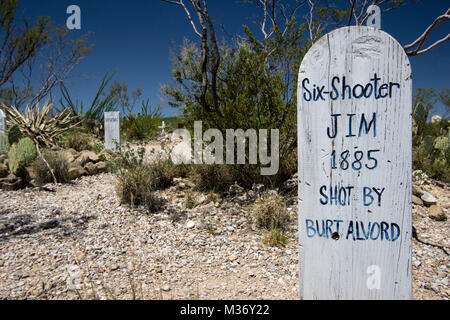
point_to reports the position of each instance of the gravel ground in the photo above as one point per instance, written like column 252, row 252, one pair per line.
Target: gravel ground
column 76, row 241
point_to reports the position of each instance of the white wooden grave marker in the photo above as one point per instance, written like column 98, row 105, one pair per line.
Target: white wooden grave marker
column 162, row 127
column 354, row 145
column 2, row 122
column 112, row 130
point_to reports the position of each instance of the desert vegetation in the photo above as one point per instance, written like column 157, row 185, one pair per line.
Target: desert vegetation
column 249, row 82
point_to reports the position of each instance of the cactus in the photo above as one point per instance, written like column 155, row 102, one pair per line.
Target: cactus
column 13, row 159
column 4, row 144
column 428, row 144
column 441, row 143
column 21, row 154
column 14, row 135
column 420, row 115
column 26, row 150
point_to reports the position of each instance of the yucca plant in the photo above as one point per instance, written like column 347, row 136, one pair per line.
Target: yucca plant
column 91, row 117
column 38, row 123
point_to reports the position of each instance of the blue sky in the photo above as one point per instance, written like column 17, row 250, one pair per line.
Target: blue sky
column 136, row 38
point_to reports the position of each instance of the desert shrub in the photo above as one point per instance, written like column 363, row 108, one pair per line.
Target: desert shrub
column 269, row 211
column 77, row 140
column 41, row 124
column 189, row 200
column 57, row 162
column 219, row 177
column 135, row 187
column 255, row 89
column 98, row 147
column 139, row 127
column 275, row 237
column 212, row 177
column 142, row 126
column 137, row 180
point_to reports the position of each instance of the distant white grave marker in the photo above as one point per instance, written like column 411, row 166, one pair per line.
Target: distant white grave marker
column 354, row 145
column 162, row 127
column 112, row 130
column 2, row 122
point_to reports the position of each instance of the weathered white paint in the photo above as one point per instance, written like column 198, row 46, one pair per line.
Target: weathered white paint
column 347, row 268
column 112, row 130
column 374, row 19
column 2, row 122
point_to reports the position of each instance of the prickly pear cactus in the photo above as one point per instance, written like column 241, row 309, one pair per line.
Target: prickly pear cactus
column 428, row 144
column 420, row 115
column 13, row 159
column 441, row 143
column 27, row 151
column 4, row 144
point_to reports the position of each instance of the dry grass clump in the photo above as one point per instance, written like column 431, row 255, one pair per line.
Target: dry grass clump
column 270, row 212
column 138, row 180
column 275, row 237
column 212, row 177
column 57, row 162
column 136, row 187
column 77, row 140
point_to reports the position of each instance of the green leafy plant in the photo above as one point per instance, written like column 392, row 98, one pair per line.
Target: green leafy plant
column 92, row 116
column 98, row 147
column 142, row 126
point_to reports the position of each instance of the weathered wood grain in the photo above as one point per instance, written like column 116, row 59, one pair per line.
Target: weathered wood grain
column 112, row 130
column 335, row 265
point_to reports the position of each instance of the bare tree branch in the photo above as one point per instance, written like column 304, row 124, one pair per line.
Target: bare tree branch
column 420, row 42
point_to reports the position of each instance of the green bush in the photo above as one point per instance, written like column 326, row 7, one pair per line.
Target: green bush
column 14, row 134
column 139, row 127
column 144, row 125
column 98, row 147
column 255, row 89
column 77, row 140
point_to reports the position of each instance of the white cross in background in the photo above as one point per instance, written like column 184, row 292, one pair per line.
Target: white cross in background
column 162, row 127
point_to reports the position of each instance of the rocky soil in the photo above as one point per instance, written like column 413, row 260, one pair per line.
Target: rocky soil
column 76, row 241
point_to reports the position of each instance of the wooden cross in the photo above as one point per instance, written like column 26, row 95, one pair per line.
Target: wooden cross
column 162, row 127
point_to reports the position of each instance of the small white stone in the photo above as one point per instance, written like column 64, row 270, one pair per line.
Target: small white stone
column 190, row 224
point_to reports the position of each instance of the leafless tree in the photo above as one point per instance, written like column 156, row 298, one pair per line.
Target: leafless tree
column 52, row 65
column 206, row 26
column 420, row 41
